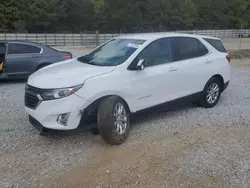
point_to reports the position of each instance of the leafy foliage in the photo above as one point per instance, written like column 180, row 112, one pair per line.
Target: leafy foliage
column 121, row 15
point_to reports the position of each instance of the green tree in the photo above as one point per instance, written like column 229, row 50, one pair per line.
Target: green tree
column 239, row 12
column 187, row 12
column 8, row 14
column 121, row 15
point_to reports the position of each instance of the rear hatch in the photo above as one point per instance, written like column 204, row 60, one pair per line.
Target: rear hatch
column 218, row 45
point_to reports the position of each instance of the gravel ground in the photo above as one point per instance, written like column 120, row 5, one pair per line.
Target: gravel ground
column 182, row 147
column 236, row 43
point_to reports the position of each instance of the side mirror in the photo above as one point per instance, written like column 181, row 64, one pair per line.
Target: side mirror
column 140, row 65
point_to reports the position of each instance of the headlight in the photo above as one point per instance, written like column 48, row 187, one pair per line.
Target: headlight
column 59, row 93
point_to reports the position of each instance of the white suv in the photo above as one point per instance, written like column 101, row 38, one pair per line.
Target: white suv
column 125, row 75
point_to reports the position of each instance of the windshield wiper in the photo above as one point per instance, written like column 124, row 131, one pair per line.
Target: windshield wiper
column 84, row 59
column 87, row 60
column 92, row 62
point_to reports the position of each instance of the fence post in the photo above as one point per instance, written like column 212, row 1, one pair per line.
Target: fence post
column 45, row 38
column 81, row 38
column 73, row 39
column 16, row 35
column 26, row 35
column 36, row 38
column 55, row 40
column 241, row 27
column 4, row 34
column 64, row 38
column 97, row 38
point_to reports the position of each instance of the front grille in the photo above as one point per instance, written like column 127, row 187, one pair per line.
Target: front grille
column 31, row 96
column 31, row 101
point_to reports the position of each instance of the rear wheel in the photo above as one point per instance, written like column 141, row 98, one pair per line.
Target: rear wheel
column 211, row 93
column 113, row 120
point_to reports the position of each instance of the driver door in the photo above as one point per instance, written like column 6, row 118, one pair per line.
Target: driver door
column 153, row 85
column 2, row 56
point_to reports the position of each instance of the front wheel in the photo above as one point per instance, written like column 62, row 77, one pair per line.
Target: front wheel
column 211, row 93
column 113, row 120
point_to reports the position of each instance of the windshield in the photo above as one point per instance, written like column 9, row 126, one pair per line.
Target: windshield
column 113, row 53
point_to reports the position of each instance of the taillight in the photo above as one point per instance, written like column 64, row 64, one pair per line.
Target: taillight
column 228, row 58
column 67, row 57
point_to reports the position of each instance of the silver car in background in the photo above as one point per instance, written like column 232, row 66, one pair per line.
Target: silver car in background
column 19, row 59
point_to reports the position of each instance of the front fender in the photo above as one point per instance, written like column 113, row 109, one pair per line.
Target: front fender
column 103, row 94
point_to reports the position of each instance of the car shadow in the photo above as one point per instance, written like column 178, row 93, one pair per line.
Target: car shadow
column 12, row 81
column 136, row 120
column 157, row 112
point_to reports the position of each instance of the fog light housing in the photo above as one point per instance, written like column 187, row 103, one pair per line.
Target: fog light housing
column 63, row 119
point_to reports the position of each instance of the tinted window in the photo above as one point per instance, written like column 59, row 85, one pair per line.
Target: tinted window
column 186, row 48
column 2, row 49
column 156, row 53
column 22, row 49
column 217, row 44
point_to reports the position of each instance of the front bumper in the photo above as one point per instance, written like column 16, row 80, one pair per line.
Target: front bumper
column 225, row 86
column 47, row 112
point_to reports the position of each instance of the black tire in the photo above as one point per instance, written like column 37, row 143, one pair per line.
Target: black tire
column 105, row 119
column 204, row 101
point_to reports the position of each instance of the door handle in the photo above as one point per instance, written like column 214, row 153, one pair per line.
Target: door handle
column 208, row 61
column 172, row 69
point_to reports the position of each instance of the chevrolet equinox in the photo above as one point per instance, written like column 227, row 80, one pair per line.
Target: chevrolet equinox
column 125, row 75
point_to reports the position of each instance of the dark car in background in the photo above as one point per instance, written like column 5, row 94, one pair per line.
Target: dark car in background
column 19, row 59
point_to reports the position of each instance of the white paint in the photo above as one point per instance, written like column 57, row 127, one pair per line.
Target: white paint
column 140, row 89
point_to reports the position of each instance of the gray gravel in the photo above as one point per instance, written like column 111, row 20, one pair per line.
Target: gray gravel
column 29, row 160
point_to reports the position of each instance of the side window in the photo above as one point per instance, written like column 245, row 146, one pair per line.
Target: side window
column 156, row 53
column 217, row 44
column 2, row 49
column 186, row 48
column 15, row 48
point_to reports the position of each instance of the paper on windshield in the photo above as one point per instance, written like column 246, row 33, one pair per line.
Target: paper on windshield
column 136, row 44
column 133, row 45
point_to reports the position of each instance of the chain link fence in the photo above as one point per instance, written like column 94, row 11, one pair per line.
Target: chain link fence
column 237, row 41
column 96, row 38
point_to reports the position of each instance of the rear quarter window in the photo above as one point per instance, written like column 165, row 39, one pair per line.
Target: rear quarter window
column 217, row 44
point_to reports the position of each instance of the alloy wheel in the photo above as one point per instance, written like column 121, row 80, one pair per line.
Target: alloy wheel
column 120, row 118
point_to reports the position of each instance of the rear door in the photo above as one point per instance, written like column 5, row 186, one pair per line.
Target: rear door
column 22, row 58
column 191, row 64
column 2, row 56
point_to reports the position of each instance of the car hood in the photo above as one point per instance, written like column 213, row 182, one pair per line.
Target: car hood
column 66, row 74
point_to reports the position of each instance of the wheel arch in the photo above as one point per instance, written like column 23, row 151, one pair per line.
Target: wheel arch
column 220, row 78
column 97, row 101
column 90, row 113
